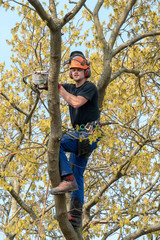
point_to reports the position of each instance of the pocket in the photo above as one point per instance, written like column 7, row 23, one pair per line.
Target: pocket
column 84, row 148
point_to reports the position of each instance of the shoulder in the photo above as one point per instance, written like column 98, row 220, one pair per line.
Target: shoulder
column 90, row 85
column 88, row 90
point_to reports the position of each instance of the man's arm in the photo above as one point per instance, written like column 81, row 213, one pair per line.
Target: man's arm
column 74, row 101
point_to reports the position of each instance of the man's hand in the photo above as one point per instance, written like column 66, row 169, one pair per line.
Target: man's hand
column 44, row 87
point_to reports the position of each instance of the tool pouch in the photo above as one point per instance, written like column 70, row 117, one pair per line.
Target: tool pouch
column 84, row 149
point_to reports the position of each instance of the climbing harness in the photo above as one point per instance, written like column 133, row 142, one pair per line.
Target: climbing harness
column 89, row 127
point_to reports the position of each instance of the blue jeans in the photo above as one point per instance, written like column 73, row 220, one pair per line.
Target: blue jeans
column 69, row 143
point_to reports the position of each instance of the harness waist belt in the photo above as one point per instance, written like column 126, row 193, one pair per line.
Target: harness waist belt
column 89, row 126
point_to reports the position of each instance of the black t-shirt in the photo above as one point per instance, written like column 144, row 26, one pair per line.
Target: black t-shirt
column 89, row 111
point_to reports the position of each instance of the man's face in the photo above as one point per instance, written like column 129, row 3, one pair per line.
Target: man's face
column 78, row 74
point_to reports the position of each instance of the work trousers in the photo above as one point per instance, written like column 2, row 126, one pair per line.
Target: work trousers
column 75, row 165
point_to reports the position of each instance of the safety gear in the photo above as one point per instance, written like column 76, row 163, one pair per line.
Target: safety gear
column 64, row 187
column 76, row 54
column 78, row 60
column 82, row 63
column 75, row 213
column 87, row 73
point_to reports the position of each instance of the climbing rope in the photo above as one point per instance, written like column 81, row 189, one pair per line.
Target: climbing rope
column 43, row 211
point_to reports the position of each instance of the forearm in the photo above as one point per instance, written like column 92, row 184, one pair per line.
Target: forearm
column 74, row 101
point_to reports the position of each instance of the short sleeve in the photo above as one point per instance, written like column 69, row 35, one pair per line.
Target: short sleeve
column 88, row 90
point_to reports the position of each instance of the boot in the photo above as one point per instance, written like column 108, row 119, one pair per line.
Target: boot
column 75, row 213
column 64, row 187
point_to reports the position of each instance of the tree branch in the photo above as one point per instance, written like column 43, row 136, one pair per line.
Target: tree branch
column 18, row 210
column 137, row 73
column 146, row 190
column 23, row 204
column 52, row 8
column 13, row 104
column 131, row 42
column 93, row 201
column 124, row 70
column 152, row 228
column 28, row 117
column 24, row 5
column 98, row 25
column 43, row 14
column 72, row 13
column 120, row 22
column 28, row 209
column 32, row 111
column 113, row 179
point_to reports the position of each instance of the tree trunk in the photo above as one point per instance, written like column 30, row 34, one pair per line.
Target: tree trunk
column 56, row 134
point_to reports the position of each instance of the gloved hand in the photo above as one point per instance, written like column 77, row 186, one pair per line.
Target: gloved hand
column 44, row 86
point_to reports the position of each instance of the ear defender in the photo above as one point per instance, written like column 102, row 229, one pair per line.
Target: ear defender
column 70, row 75
column 87, row 73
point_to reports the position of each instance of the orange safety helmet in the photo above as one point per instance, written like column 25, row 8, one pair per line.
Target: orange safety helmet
column 79, row 62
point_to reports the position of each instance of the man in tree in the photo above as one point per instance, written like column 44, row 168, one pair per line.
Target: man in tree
column 82, row 98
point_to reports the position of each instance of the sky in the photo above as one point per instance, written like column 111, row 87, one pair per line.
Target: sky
column 7, row 21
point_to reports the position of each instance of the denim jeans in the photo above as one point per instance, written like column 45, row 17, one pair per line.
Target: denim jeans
column 75, row 165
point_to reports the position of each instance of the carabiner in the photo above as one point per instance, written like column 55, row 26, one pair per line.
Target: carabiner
column 82, row 127
column 88, row 127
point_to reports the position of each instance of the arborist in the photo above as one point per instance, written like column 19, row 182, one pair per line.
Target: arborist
column 82, row 98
